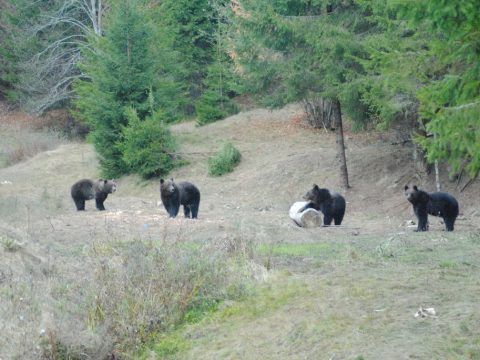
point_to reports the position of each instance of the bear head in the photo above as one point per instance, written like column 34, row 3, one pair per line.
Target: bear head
column 317, row 195
column 107, row 186
column 415, row 195
column 167, row 187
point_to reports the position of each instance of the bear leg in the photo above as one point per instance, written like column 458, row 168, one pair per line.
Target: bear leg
column 338, row 219
column 449, row 222
column 327, row 220
column 80, row 204
column 194, row 208
column 169, row 211
column 174, row 210
column 168, row 207
column 186, row 210
column 422, row 217
column 99, row 203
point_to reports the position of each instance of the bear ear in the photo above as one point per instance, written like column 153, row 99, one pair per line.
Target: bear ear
column 406, row 187
column 415, row 187
column 162, row 181
column 105, row 181
column 315, row 186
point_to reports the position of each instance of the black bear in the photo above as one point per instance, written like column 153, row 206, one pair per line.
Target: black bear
column 87, row 189
column 183, row 193
column 331, row 204
column 437, row 204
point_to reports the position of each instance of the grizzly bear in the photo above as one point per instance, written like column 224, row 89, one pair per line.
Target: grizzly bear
column 436, row 203
column 331, row 204
column 183, row 193
column 87, row 189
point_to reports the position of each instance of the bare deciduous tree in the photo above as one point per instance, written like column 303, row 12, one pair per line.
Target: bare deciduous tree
column 47, row 75
column 319, row 112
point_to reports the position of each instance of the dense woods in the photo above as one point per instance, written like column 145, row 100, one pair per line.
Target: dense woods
column 127, row 67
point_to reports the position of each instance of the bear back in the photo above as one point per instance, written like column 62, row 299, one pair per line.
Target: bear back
column 83, row 189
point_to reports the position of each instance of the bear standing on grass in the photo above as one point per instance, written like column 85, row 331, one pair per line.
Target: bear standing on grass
column 437, row 204
column 183, row 193
column 331, row 204
column 87, row 189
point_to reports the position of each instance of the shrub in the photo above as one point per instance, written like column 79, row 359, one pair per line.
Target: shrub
column 147, row 146
column 146, row 288
column 225, row 160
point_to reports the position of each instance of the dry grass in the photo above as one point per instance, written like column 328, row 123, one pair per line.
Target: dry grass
column 80, row 285
column 139, row 287
column 20, row 142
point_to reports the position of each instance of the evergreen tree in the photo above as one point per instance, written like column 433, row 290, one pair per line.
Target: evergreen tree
column 7, row 57
column 191, row 27
column 15, row 46
column 450, row 97
column 120, row 72
column 293, row 50
column 147, row 145
column 215, row 103
column 220, row 84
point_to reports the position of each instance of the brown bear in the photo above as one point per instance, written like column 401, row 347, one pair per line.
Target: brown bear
column 87, row 189
column 183, row 193
column 439, row 203
column 331, row 204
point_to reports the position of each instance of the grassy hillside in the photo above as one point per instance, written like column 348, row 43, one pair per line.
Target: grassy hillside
column 93, row 282
column 349, row 298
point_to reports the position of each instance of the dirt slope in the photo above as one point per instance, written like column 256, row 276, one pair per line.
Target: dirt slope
column 280, row 162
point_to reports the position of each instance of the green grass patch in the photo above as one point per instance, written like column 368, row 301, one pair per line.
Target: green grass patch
column 200, row 310
column 267, row 298
column 296, row 250
column 166, row 346
column 448, row 265
column 172, row 343
column 224, row 161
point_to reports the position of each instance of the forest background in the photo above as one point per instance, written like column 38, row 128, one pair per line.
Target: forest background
column 125, row 70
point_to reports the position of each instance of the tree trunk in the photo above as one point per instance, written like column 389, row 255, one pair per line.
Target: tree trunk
column 437, row 173
column 437, row 176
column 337, row 115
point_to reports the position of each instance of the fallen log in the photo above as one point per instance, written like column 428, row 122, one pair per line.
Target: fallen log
column 304, row 216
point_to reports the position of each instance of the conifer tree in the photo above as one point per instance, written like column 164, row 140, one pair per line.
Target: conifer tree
column 292, row 50
column 450, row 95
column 191, row 27
column 119, row 76
column 8, row 58
column 221, row 82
